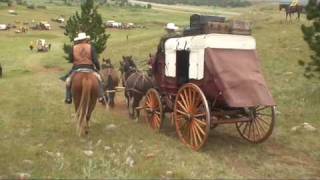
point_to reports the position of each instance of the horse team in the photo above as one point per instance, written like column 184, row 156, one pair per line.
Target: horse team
column 85, row 89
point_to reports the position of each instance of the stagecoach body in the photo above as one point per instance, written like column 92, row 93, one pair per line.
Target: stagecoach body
column 207, row 80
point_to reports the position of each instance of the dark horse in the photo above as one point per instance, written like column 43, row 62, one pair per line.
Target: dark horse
column 290, row 10
column 111, row 80
column 136, row 84
column 0, row 71
column 85, row 90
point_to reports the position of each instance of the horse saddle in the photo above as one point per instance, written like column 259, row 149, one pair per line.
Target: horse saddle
column 84, row 70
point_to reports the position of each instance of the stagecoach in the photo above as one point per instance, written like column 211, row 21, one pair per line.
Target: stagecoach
column 207, row 80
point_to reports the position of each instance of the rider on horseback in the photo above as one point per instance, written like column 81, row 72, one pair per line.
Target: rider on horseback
column 83, row 57
column 294, row 3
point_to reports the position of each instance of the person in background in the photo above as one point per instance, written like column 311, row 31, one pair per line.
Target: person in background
column 294, row 3
column 31, row 46
column 171, row 30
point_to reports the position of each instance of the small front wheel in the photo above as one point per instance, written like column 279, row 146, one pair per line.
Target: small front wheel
column 153, row 112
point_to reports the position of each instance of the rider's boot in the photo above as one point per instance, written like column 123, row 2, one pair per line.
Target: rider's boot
column 68, row 99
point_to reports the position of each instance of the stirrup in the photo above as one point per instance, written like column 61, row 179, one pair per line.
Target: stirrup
column 101, row 99
column 68, row 101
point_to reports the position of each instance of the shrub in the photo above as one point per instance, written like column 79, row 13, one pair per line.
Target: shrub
column 42, row 7
column 31, row 6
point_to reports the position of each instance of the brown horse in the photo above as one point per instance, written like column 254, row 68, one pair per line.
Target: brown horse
column 111, row 80
column 85, row 90
column 290, row 10
column 136, row 84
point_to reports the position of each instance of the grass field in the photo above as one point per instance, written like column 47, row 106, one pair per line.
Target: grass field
column 38, row 137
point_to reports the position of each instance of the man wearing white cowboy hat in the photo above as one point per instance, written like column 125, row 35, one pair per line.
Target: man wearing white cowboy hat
column 83, row 56
column 171, row 29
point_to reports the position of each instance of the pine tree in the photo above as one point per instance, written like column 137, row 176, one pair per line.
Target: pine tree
column 312, row 37
column 90, row 22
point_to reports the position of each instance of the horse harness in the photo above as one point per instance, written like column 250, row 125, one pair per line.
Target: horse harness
column 133, row 70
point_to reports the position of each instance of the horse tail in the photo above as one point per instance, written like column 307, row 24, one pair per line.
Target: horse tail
column 84, row 104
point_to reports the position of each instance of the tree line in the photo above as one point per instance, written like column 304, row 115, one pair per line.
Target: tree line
column 221, row 3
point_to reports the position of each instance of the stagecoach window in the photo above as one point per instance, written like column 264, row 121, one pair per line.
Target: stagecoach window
column 182, row 67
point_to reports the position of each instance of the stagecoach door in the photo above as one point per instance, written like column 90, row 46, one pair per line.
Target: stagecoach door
column 182, row 67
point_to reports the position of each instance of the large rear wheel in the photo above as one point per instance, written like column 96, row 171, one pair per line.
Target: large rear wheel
column 261, row 125
column 153, row 112
column 192, row 116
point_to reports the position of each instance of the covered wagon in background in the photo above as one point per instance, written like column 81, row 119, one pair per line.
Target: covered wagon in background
column 3, row 27
column 42, row 45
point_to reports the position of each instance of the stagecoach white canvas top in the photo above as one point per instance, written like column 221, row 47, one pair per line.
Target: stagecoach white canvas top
column 196, row 45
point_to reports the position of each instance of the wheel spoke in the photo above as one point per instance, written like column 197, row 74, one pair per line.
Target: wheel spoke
column 261, row 126
column 184, row 108
column 182, row 113
column 240, row 124
column 148, row 98
column 190, row 100
column 245, row 129
column 195, row 140
column 183, row 101
column 200, row 115
column 197, row 133
column 267, row 123
column 157, row 121
column 253, row 131
column 157, row 113
column 185, row 93
column 200, row 122
column 258, row 130
column 200, row 129
column 262, row 114
column 261, row 108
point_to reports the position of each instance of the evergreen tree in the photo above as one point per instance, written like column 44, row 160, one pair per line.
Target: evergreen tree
column 90, row 22
column 312, row 37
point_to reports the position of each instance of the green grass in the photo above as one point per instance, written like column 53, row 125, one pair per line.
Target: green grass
column 35, row 125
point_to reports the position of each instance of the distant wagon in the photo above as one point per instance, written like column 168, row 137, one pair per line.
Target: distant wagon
column 42, row 45
column 207, row 80
column 3, row 27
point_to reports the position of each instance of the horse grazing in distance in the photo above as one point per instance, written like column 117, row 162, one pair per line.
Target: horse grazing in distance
column 110, row 80
column 85, row 91
column 136, row 84
column 0, row 71
column 290, row 10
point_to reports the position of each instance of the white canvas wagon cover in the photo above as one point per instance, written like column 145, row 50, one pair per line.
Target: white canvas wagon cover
column 230, row 61
column 196, row 45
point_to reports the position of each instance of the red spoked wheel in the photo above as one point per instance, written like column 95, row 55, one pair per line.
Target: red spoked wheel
column 260, row 127
column 192, row 116
column 153, row 109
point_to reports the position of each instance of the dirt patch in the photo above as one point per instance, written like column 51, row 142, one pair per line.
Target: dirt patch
column 52, row 69
column 286, row 156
